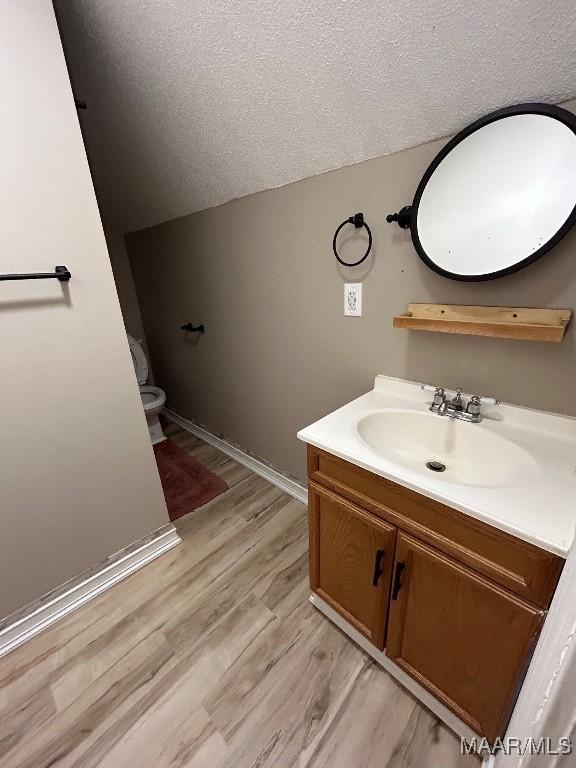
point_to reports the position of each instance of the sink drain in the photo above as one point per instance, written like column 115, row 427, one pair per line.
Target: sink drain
column 436, row 466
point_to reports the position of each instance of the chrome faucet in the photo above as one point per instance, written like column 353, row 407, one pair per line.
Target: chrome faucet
column 456, row 408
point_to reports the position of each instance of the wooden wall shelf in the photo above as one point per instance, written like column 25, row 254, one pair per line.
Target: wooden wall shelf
column 502, row 322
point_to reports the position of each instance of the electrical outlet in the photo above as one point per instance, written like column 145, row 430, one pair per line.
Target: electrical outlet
column 353, row 299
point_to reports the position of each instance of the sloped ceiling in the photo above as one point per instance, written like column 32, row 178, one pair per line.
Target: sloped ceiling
column 192, row 103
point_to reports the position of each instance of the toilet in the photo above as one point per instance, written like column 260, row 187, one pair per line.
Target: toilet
column 153, row 398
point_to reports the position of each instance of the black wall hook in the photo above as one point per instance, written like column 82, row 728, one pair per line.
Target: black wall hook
column 358, row 221
column 192, row 328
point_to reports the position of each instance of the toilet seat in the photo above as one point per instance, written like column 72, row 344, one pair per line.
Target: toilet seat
column 152, row 397
column 139, row 360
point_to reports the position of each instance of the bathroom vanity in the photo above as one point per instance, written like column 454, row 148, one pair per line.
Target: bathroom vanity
column 445, row 578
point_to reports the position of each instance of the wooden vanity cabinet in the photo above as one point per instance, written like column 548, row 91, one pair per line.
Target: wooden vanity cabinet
column 351, row 558
column 455, row 603
column 464, row 639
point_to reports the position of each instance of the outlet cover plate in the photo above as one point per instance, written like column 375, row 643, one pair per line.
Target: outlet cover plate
column 353, row 299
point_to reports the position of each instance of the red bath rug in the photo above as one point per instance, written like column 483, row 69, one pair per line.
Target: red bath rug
column 186, row 483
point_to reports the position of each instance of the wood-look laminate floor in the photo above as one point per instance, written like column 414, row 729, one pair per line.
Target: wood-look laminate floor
column 212, row 657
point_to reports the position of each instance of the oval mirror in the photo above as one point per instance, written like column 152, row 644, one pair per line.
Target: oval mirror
column 499, row 195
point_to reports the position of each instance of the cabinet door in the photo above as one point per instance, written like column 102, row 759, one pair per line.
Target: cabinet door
column 351, row 556
column 463, row 638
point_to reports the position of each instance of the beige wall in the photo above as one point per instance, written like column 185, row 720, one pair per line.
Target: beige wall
column 124, row 282
column 279, row 353
column 79, row 481
column 126, row 289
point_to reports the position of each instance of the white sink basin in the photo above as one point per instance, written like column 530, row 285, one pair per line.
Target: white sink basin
column 515, row 470
column 467, row 454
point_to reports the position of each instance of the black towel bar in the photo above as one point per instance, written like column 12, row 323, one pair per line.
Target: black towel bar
column 60, row 273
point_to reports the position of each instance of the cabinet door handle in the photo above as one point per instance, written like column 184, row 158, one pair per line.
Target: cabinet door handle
column 397, row 580
column 378, row 567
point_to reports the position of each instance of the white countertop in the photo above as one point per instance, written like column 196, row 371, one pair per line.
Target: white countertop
column 541, row 509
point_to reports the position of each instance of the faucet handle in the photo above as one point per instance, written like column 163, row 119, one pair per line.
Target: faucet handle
column 474, row 405
column 439, row 395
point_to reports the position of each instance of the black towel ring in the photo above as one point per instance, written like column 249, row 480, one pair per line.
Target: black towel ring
column 358, row 221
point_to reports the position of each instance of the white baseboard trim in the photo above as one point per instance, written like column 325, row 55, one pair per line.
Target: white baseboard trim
column 42, row 616
column 292, row 487
column 443, row 713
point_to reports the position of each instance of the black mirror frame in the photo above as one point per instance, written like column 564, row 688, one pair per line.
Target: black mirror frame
column 519, row 109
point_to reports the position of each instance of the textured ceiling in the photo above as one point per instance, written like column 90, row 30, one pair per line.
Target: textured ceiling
column 191, row 103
